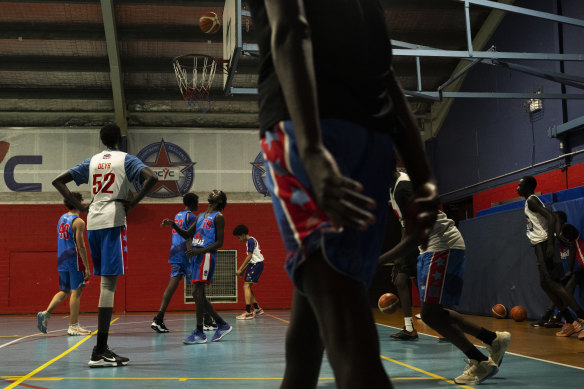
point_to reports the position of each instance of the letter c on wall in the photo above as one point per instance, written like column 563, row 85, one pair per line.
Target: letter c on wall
column 9, row 173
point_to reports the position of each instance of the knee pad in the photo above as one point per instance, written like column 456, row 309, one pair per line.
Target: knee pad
column 108, row 289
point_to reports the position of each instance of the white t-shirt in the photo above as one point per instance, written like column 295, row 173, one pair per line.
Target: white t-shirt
column 253, row 247
column 444, row 236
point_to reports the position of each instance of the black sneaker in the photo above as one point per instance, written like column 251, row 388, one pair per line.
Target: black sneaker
column 210, row 326
column 107, row 359
column 158, row 326
column 405, row 335
column 539, row 323
column 553, row 323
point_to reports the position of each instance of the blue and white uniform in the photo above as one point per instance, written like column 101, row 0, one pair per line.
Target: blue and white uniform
column 255, row 267
column 203, row 265
column 69, row 263
column 178, row 258
column 110, row 174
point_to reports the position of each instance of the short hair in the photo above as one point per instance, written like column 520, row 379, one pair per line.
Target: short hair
column 562, row 216
column 69, row 204
column 219, row 198
column 191, row 200
column 110, row 135
column 240, row 229
column 530, row 182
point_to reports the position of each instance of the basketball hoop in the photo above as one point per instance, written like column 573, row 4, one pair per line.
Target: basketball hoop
column 195, row 74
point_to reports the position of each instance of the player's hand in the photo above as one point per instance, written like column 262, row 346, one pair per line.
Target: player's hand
column 128, row 205
column 338, row 196
column 422, row 213
column 191, row 252
column 239, row 273
column 167, row 222
column 86, row 275
column 84, row 208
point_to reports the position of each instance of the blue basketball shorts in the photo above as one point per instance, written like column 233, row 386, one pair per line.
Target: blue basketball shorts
column 202, row 268
column 364, row 155
column 70, row 280
column 109, row 250
column 179, row 269
column 440, row 276
column 253, row 272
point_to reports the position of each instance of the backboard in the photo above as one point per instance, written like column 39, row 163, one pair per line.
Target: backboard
column 233, row 45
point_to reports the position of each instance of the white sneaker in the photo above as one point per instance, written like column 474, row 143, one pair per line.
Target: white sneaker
column 499, row 346
column 476, row 372
column 76, row 330
column 245, row 316
column 418, row 316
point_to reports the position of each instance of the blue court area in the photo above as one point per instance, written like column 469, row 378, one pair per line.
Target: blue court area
column 251, row 356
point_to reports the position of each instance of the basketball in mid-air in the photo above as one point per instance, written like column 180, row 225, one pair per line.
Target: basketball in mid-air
column 518, row 313
column 499, row 311
column 388, row 303
column 209, row 23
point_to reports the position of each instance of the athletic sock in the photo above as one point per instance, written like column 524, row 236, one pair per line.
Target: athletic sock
column 475, row 354
column 486, row 336
column 104, row 316
column 248, row 308
column 200, row 327
column 409, row 324
column 160, row 316
column 256, row 306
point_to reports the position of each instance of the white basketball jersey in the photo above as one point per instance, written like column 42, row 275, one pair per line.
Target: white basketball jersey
column 256, row 255
column 536, row 224
column 108, row 181
column 398, row 212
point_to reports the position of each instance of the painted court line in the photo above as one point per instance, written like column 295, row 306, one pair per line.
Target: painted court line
column 40, row 368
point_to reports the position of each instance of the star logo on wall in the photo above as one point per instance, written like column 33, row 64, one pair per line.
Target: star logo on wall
column 169, row 171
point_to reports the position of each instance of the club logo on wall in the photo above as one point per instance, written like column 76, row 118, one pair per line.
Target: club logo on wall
column 172, row 165
column 258, row 175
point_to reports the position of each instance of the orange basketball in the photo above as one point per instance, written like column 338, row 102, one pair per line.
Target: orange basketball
column 518, row 313
column 209, row 23
column 388, row 303
column 499, row 311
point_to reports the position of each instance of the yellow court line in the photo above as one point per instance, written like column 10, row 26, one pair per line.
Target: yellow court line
column 277, row 318
column 425, row 372
column 189, row 378
column 38, row 369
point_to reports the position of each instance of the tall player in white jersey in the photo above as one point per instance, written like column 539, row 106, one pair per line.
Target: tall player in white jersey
column 109, row 174
column 541, row 224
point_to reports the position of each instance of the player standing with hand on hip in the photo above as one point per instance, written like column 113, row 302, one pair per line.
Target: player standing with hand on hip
column 109, row 174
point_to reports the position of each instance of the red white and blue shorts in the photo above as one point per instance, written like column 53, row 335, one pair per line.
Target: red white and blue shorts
column 202, row 268
column 109, row 250
column 364, row 155
column 440, row 276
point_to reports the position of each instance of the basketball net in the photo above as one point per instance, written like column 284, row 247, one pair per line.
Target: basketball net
column 194, row 75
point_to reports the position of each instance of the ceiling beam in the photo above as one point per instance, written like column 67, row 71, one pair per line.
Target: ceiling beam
column 115, row 66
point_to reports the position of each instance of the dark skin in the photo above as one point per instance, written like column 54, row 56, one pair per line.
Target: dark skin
column 214, row 206
column 150, row 179
column 536, row 206
column 338, row 196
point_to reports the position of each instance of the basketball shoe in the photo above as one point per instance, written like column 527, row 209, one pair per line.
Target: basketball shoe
column 569, row 329
column 405, row 335
column 158, row 326
column 212, row 326
column 498, row 347
column 258, row 311
column 476, row 372
column 222, row 330
column 76, row 330
column 42, row 321
column 246, row 316
column 196, row 337
column 107, row 359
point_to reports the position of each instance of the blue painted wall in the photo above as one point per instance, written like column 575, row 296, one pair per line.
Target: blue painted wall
column 483, row 139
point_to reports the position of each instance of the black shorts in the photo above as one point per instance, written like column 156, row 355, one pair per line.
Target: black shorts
column 408, row 263
column 549, row 269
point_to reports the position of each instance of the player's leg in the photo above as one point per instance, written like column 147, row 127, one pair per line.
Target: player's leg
column 401, row 279
column 248, row 314
column 341, row 307
column 177, row 272
column 304, row 348
column 74, row 303
column 44, row 316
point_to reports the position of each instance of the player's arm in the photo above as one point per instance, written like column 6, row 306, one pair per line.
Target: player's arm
column 291, row 46
column 79, row 231
column 244, row 264
column 535, row 205
column 60, row 183
column 185, row 234
column 405, row 246
column 149, row 180
column 422, row 210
